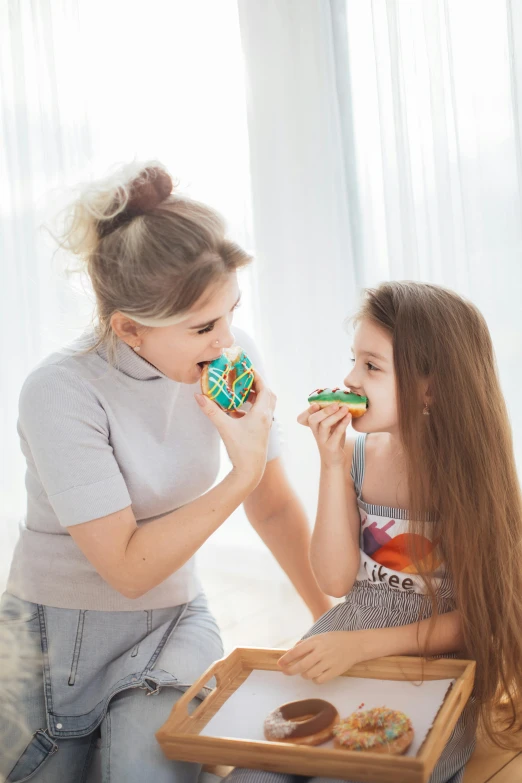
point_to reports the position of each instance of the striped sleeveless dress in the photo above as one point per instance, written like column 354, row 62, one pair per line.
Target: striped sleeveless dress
column 387, row 592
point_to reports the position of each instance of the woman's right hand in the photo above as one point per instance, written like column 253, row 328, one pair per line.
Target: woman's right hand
column 329, row 428
column 245, row 436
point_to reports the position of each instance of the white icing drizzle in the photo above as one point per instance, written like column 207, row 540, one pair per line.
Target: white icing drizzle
column 277, row 727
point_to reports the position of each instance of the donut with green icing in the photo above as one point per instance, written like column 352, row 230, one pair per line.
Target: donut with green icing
column 228, row 379
column 356, row 403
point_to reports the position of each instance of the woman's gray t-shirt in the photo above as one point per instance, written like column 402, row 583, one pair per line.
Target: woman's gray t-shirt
column 98, row 438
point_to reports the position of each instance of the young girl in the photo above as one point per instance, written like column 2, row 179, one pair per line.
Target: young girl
column 419, row 518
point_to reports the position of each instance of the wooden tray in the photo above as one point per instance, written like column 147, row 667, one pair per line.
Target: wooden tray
column 180, row 736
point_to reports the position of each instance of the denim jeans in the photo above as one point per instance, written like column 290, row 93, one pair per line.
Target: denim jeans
column 74, row 684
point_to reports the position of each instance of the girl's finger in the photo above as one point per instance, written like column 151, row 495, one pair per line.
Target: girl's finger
column 315, row 671
column 324, row 677
column 331, row 420
column 338, row 432
column 318, row 416
column 316, row 419
column 327, row 426
column 303, row 665
column 297, row 652
column 305, row 415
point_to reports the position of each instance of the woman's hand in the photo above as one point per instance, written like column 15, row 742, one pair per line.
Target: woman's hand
column 324, row 656
column 329, row 428
column 245, row 436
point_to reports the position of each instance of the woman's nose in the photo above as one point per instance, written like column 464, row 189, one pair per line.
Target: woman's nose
column 224, row 336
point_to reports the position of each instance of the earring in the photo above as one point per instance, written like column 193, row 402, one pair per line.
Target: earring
column 426, row 410
column 136, row 348
column 216, row 343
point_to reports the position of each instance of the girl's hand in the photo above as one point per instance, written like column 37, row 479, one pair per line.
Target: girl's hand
column 245, row 436
column 329, row 428
column 324, row 656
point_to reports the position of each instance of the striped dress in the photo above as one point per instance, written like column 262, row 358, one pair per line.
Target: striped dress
column 387, row 593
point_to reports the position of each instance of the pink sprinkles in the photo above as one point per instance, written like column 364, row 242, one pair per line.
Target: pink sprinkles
column 364, row 730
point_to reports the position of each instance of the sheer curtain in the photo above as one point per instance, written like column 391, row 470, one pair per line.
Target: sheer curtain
column 385, row 144
column 85, row 84
column 378, row 140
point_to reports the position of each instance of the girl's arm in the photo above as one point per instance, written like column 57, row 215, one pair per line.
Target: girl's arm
column 278, row 517
column 334, row 552
column 444, row 636
column 325, row 656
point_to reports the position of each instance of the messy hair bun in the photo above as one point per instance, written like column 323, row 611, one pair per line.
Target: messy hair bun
column 150, row 253
column 103, row 206
column 143, row 194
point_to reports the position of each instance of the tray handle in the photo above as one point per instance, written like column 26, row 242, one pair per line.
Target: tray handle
column 181, row 706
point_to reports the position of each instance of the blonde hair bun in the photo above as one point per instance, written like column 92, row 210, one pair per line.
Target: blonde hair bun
column 143, row 194
column 104, row 205
column 149, row 254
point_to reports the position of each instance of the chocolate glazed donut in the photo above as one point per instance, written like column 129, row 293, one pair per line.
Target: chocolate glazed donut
column 305, row 722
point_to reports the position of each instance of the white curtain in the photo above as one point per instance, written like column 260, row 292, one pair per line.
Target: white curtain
column 305, row 277
column 84, row 85
column 385, row 144
column 383, row 141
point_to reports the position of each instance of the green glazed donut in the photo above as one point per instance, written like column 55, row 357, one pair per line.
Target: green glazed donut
column 357, row 405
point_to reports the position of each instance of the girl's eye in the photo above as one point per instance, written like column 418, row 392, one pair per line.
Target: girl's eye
column 369, row 365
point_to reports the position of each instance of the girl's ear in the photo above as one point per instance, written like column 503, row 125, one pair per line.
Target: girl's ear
column 427, row 397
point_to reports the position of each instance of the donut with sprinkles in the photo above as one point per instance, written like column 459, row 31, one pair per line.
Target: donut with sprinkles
column 379, row 730
column 228, row 379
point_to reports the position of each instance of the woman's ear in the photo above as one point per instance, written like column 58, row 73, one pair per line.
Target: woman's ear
column 125, row 328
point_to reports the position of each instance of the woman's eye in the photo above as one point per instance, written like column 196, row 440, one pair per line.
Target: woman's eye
column 211, row 326
column 206, row 329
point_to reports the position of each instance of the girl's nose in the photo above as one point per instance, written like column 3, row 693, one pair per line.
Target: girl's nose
column 351, row 380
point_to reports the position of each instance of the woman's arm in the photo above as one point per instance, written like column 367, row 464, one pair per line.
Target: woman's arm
column 278, row 517
column 325, row 656
column 135, row 559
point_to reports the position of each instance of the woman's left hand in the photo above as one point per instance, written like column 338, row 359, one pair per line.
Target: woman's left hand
column 324, row 656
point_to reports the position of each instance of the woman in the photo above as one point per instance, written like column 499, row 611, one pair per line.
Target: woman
column 103, row 603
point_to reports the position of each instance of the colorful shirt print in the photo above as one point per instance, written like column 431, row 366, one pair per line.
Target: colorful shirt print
column 386, row 545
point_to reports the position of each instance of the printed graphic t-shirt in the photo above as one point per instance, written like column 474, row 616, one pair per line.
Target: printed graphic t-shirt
column 386, row 543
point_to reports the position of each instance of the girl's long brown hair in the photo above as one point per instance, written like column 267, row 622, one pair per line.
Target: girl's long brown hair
column 468, row 481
